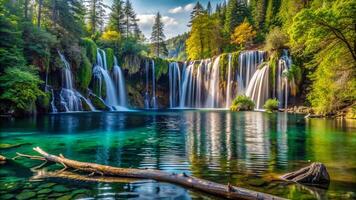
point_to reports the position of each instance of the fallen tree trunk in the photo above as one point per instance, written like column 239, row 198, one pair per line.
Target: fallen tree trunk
column 315, row 174
column 227, row 191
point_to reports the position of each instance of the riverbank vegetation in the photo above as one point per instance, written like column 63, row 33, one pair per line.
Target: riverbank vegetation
column 319, row 34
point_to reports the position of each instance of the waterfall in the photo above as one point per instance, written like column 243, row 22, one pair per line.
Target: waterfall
column 154, row 98
column 147, row 94
column 174, row 81
column 70, row 98
column 284, row 64
column 228, row 87
column 115, row 88
column 186, row 84
column 257, row 89
column 248, row 63
column 119, row 81
column 213, row 92
column 53, row 105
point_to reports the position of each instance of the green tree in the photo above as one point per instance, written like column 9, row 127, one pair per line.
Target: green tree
column 158, row 38
column 209, row 9
column 96, row 14
column 328, row 33
column 117, row 16
column 236, row 12
column 198, row 9
column 205, row 37
column 258, row 11
column 272, row 12
column 130, row 21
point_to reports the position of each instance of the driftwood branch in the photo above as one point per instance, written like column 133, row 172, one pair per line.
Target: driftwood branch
column 227, row 191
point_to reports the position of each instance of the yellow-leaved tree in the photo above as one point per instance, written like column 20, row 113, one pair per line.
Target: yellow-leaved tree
column 243, row 34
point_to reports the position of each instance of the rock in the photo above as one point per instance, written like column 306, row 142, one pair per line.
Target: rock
column 55, row 195
column 315, row 174
column 7, row 196
column 81, row 191
column 256, row 182
column 65, row 197
column 44, row 191
column 25, row 195
column 47, row 185
column 60, row 188
column 10, row 146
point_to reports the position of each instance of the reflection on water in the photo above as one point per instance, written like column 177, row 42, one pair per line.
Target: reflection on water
column 217, row 145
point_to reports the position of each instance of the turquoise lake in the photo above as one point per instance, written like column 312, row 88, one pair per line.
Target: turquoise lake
column 247, row 149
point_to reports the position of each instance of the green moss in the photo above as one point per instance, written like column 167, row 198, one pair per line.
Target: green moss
column 242, row 103
column 43, row 101
column 110, row 58
column 271, row 105
column 91, row 49
column 161, row 67
column 97, row 102
column 84, row 72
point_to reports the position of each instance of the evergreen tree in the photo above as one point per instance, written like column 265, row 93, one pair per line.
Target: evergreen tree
column 258, row 9
column 236, row 12
column 272, row 12
column 209, row 8
column 117, row 16
column 197, row 10
column 130, row 21
column 96, row 12
column 157, row 37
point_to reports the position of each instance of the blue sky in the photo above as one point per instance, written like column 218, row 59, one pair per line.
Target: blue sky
column 176, row 14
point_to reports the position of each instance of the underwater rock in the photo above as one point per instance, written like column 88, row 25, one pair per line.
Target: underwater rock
column 7, row 196
column 98, row 103
column 315, row 174
column 10, row 146
column 25, row 195
column 47, row 185
column 65, row 197
column 44, row 191
column 60, row 188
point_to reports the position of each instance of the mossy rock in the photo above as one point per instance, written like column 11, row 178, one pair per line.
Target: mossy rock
column 256, row 182
column 98, row 103
column 10, row 146
column 65, row 197
column 109, row 58
column 60, row 188
column 11, row 187
column 44, row 191
column 7, row 196
column 56, row 194
column 85, row 105
column 47, row 185
column 81, row 191
column 25, row 195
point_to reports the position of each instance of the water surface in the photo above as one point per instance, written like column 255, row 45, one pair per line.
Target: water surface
column 247, row 149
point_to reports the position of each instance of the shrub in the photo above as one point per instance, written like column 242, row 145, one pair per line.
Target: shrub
column 276, row 39
column 242, row 103
column 91, row 49
column 271, row 105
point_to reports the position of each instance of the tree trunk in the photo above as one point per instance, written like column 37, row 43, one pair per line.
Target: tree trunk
column 40, row 2
column 227, row 191
column 315, row 174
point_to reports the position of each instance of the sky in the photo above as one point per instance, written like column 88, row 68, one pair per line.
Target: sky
column 175, row 14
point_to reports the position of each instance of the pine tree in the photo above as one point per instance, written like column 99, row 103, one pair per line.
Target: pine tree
column 258, row 9
column 197, row 10
column 271, row 12
column 209, row 8
column 130, row 21
column 158, row 37
column 96, row 13
column 236, row 12
column 117, row 16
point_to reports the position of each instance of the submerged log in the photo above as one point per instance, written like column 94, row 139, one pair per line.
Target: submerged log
column 315, row 174
column 2, row 158
column 227, row 191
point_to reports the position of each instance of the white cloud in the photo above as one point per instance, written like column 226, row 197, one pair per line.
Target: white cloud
column 180, row 9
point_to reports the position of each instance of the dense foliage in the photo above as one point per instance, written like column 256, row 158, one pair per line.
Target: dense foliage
column 271, row 105
column 242, row 103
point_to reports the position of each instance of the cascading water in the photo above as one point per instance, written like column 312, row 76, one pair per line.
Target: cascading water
column 228, row 87
column 257, row 89
column 284, row 64
column 174, row 84
column 147, row 94
column 119, row 81
column 53, row 105
column 154, row 98
column 213, row 92
column 248, row 63
column 70, row 98
column 101, row 74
